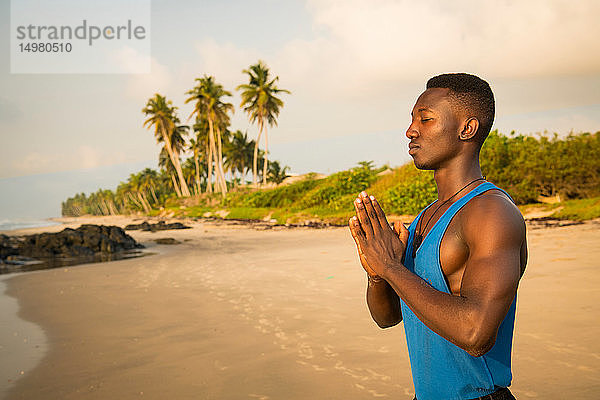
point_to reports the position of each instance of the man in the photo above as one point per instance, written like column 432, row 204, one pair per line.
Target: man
column 452, row 277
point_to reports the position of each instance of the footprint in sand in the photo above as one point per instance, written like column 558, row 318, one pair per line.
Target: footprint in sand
column 258, row 396
column 305, row 351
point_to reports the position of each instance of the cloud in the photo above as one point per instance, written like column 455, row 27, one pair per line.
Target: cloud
column 392, row 40
column 369, row 59
column 129, row 60
column 143, row 86
column 83, row 157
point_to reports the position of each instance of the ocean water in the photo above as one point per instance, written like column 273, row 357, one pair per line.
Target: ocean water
column 23, row 343
column 22, row 223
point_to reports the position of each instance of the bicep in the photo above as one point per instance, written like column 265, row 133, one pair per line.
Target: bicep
column 493, row 267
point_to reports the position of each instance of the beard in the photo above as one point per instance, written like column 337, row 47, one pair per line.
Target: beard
column 423, row 164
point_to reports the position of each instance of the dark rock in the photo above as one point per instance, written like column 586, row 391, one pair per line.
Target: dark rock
column 166, row 241
column 160, row 226
column 8, row 246
column 87, row 240
column 549, row 222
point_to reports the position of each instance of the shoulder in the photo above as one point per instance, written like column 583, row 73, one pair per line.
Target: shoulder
column 491, row 218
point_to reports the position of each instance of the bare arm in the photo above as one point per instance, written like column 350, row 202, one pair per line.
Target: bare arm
column 382, row 300
column 384, row 304
column 492, row 271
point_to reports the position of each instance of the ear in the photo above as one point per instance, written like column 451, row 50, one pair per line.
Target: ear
column 470, row 129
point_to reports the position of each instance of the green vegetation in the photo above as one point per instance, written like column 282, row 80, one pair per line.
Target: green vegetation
column 533, row 169
column 575, row 209
column 579, row 209
column 529, row 167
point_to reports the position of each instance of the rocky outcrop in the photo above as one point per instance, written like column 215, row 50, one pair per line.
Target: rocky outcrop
column 160, row 226
column 87, row 240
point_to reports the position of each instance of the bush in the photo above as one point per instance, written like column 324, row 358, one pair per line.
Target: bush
column 282, row 196
column 412, row 194
column 334, row 190
column 529, row 167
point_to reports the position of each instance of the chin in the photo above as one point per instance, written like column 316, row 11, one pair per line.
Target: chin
column 419, row 164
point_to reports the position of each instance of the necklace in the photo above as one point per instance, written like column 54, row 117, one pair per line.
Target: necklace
column 418, row 238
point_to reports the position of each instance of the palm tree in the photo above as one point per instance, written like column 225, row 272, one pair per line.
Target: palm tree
column 178, row 142
column 148, row 179
column 202, row 142
column 138, row 188
column 196, row 147
column 207, row 94
column 238, row 154
column 167, row 166
column 260, row 102
column 161, row 115
column 276, row 173
column 189, row 172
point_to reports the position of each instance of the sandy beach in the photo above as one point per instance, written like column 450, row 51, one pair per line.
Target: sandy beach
column 240, row 313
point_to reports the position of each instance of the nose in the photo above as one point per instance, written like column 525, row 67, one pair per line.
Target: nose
column 411, row 132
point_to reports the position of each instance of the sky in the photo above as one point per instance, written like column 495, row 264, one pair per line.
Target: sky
column 354, row 69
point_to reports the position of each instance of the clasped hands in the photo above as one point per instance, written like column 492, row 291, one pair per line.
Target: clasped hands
column 380, row 246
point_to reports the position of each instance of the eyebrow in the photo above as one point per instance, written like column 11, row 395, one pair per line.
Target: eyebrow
column 422, row 109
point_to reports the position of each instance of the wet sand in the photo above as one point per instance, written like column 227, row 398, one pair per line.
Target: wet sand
column 235, row 313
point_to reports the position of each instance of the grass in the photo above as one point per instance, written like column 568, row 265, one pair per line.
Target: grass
column 247, row 213
column 579, row 209
column 404, row 191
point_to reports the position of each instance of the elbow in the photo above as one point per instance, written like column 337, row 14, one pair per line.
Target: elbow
column 478, row 351
column 478, row 344
column 384, row 324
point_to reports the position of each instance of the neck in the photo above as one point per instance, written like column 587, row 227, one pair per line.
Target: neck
column 451, row 178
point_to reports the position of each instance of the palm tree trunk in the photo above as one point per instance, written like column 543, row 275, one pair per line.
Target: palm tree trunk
column 255, row 162
column 145, row 197
column 185, row 191
column 153, row 194
column 133, row 200
column 209, row 188
column 175, row 160
column 196, row 163
column 112, row 207
column 266, row 157
column 104, row 207
column 220, row 148
column 207, row 149
column 144, row 206
column 220, row 177
column 177, row 191
column 211, row 145
column 216, row 167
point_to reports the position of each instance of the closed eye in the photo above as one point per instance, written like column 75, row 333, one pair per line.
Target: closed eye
column 426, row 119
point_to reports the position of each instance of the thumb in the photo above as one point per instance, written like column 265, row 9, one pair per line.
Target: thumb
column 401, row 231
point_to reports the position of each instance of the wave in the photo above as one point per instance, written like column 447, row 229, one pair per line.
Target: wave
column 11, row 224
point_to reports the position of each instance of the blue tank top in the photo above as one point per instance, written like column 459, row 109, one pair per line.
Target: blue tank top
column 440, row 369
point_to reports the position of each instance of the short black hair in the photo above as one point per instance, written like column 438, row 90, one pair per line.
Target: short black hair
column 473, row 95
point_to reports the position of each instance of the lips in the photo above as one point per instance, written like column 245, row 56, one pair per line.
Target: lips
column 412, row 148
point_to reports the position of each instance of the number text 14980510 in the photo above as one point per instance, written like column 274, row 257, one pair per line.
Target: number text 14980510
column 45, row 47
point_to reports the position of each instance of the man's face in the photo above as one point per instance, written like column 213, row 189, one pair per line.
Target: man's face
column 434, row 130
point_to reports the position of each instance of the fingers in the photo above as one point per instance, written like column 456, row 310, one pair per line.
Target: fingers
column 358, row 236
column 401, row 231
column 357, row 233
column 363, row 218
column 366, row 199
column 383, row 222
column 355, row 229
